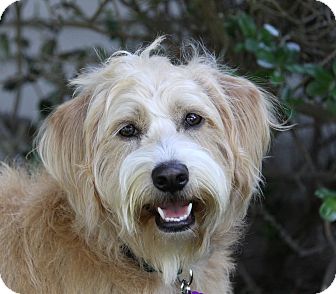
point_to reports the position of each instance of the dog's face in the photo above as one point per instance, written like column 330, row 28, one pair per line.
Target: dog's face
column 169, row 154
column 164, row 165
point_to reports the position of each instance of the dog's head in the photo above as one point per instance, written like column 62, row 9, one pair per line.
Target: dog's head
column 169, row 154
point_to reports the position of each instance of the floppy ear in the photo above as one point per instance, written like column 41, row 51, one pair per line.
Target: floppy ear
column 61, row 141
column 63, row 150
column 252, row 116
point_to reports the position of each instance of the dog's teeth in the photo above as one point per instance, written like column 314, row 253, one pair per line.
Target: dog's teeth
column 175, row 219
column 189, row 209
column 161, row 213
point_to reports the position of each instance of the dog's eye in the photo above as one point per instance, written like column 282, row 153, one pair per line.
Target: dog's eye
column 129, row 131
column 193, row 119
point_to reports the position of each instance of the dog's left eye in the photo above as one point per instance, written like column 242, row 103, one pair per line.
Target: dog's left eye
column 193, row 119
column 129, row 131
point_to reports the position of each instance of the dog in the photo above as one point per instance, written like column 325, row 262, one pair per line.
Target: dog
column 145, row 179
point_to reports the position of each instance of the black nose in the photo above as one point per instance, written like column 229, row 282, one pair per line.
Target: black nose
column 170, row 176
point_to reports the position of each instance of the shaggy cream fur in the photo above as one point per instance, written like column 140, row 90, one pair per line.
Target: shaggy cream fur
column 64, row 224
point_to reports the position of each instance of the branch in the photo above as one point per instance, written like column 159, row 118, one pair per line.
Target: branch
column 280, row 10
column 18, row 62
column 324, row 176
column 331, row 269
column 329, row 57
column 97, row 27
column 316, row 111
column 98, row 11
column 298, row 141
column 250, row 283
column 286, row 237
column 329, row 274
column 329, row 236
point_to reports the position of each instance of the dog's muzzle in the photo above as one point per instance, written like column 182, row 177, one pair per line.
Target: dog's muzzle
column 175, row 215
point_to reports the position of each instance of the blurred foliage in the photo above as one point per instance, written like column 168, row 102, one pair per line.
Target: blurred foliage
column 328, row 207
column 288, row 47
column 279, row 60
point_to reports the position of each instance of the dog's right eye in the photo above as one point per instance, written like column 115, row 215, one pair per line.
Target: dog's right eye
column 128, row 131
column 193, row 119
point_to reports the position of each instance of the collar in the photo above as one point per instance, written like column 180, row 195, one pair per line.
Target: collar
column 185, row 285
column 140, row 261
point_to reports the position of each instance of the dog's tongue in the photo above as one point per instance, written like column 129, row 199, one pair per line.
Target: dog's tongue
column 175, row 210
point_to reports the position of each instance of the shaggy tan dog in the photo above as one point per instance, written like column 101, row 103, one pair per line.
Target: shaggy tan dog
column 146, row 173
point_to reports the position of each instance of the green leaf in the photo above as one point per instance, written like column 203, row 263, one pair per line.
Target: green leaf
column 318, row 72
column 281, row 57
column 290, row 55
column 265, row 64
column 247, row 25
column 265, row 58
column 265, row 36
column 292, row 46
column 277, row 77
column 317, row 88
column 328, row 209
column 323, row 75
column 295, row 68
column 324, row 193
column 271, row 30
column 251, row 45
column 310, row 68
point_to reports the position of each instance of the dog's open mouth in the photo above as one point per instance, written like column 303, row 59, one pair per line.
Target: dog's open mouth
column 175, row 217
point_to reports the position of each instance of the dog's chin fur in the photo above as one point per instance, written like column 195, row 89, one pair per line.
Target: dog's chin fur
column 63, row 226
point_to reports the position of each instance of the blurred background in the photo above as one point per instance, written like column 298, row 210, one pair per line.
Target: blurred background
column 288, row 47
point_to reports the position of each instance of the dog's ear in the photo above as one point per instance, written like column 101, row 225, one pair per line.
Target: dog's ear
column 250, row 113
column 61, row 142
